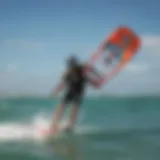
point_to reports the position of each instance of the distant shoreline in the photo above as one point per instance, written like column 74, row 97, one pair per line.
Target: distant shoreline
column 88, row 96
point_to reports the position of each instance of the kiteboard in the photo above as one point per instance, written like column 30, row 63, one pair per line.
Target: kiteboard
column 63, row 132
column 114, row 53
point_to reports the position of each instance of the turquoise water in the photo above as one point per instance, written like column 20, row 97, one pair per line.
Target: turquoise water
column 108, row 128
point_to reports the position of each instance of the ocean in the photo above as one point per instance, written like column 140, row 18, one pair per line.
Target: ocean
column 108, row 128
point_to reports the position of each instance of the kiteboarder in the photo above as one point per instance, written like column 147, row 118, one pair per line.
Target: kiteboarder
column 74, row 80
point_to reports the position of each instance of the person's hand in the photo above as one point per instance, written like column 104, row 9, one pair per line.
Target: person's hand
column 53, row 94
column 97, row 85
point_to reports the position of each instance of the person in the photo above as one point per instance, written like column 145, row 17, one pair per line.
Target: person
column 74, row 80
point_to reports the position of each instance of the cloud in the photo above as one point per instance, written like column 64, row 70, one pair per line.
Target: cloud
column 11, row 68
column 20, row 44
column 136, row 68
column 151, row 41
column 139, row 75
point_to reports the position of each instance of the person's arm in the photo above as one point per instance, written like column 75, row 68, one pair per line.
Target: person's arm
column 95, row 82
column 59, row 87
column 94, row 71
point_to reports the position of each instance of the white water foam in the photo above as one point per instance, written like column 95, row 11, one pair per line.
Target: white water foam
column 22, row 131
column 32, row 131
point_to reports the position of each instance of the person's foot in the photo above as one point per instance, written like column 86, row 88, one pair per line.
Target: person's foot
column 68, row 128
column 54, row 129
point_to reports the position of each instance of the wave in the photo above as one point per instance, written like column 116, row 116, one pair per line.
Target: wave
column 20, row 131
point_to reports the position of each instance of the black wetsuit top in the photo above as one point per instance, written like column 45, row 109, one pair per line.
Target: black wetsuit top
column 75, row 79
column 75, row 82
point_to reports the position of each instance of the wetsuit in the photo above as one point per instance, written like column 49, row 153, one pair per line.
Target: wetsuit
column 75, row 82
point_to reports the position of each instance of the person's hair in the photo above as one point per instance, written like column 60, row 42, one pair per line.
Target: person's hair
column 72, row 60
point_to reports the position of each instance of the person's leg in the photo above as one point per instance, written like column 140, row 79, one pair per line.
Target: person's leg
column 74, row 112
column 59, row 112
column 57, row 117
column 73, row 115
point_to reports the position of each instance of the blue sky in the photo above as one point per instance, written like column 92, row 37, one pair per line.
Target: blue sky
column 37, row 36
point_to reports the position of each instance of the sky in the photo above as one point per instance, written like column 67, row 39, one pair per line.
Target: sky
column 38, row 35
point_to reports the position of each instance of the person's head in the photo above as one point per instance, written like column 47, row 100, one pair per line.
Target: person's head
column 72, row 61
